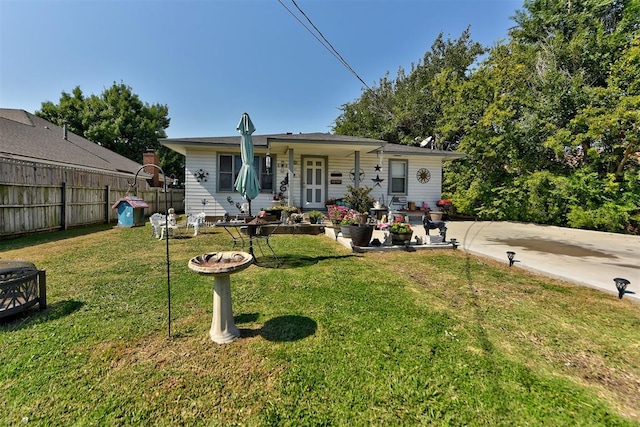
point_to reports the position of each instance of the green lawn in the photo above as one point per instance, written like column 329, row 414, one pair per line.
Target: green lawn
column 330, row 338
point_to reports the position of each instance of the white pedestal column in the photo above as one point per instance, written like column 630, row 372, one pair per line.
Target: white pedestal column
column 223, row 328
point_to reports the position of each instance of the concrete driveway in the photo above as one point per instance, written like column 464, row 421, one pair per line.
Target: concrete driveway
column 583, row 257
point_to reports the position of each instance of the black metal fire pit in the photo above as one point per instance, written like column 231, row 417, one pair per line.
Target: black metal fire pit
column 22, row 285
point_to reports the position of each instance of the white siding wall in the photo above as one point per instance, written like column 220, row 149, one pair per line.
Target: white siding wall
column 217, row 204
column 429, row 192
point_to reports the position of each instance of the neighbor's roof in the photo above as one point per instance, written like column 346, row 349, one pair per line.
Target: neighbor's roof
column 26, row 137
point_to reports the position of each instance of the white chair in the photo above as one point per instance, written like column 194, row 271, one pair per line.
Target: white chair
column 156, row 220
column 171, row 221
column 195, row 220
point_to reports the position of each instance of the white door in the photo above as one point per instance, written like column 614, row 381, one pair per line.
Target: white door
column 313, row 183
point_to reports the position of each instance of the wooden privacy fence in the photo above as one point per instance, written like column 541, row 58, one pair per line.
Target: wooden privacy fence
column 31, row 208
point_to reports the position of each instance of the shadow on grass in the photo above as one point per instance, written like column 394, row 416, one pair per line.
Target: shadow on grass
column 297, row 261
column 46, row 237
column 31, row 316
column 281, row 328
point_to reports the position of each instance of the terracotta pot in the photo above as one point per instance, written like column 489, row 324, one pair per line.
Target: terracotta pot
column 401, row 238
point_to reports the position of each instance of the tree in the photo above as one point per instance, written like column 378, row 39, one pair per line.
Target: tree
column 549, row 119
column 117, row 120
column 406, row 109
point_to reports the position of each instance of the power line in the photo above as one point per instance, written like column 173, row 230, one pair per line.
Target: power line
column 321, row 39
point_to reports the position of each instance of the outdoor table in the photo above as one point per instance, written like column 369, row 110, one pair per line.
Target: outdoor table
column 233, row 230
column 255, row 233
column 378, row 213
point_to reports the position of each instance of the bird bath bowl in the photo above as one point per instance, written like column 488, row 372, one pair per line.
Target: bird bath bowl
column 221, row 265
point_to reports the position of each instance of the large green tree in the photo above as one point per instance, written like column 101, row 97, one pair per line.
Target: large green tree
column 549, row 119
column 406, row 109
column 118, row 120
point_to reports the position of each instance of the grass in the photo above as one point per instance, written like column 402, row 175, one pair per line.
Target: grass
column 331, row 338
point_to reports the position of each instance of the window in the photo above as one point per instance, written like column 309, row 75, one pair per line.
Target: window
column 398, row 176
column 229, row 166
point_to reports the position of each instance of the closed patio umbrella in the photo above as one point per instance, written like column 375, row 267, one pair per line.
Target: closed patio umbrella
column 247, row 183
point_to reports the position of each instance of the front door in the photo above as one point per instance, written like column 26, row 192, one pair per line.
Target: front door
column 313, row 183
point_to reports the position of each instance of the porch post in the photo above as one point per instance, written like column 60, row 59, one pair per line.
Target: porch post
column 290, row 175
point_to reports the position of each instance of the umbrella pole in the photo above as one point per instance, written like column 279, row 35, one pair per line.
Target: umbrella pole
column 251, row 235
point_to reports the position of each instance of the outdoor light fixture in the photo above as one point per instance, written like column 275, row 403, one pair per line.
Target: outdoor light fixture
column 267, row 161
column 621, row 284
column 511, row 255
column 454, row 242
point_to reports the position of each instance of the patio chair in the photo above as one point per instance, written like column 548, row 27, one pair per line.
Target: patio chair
column 195, row 221
column 156, row 220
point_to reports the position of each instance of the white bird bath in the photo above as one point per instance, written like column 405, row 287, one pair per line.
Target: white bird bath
column 222, row 265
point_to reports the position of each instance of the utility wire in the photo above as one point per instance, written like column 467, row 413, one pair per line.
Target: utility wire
column 322, row 39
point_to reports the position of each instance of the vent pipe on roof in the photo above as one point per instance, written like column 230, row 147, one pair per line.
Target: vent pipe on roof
column 64, row 131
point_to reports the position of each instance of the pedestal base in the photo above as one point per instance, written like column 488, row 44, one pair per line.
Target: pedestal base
column 223, row 328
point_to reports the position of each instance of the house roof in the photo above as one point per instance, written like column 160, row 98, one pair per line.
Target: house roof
column 279, row 143
column 26, row 137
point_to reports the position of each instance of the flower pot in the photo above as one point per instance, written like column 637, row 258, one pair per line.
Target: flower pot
column 401, row 238
column 435, row 216
column 346, row 232
column 361, row 234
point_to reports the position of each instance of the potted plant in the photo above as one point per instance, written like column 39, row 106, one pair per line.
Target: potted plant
column 401, row 232
column 315, row 217
column 358, row 199
column 349, row 219
column 336, row 213
column 296, row 217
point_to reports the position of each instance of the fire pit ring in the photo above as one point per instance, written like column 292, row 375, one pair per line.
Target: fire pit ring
column 22, row 285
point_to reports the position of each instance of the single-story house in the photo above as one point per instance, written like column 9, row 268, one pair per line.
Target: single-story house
column 307, row 169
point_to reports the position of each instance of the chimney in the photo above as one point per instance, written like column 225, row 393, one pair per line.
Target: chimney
column 150, row 157
column 64, row 130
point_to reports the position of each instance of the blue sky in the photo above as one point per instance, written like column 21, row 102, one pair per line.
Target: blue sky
column 211, row 60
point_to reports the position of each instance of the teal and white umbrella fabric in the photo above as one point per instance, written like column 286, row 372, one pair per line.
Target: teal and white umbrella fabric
column 247, row 182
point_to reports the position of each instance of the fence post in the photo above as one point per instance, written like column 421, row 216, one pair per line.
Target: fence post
column 107, row 205
column 63, row 214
